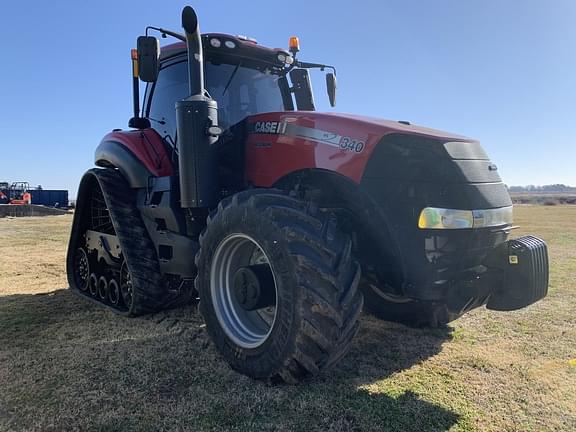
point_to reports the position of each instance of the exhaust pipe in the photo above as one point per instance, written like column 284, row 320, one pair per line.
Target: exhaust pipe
column 197, row 126
column 195, row 51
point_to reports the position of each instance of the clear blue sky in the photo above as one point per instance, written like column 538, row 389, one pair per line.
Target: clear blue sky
column 503, row 72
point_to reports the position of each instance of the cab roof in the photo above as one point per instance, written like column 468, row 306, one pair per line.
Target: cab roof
column 230, row 46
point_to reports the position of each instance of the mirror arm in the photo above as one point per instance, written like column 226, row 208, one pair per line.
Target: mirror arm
column 165, row 32
column 307, row 65
column 136, row 95
column 137, row 122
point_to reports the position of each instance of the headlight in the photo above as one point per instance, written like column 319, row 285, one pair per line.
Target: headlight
column 439, row 218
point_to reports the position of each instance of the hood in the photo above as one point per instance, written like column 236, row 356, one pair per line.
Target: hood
column 390, row 126
column 279, row 143
column 364, row 128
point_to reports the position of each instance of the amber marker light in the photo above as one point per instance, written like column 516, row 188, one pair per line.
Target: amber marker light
column 134, row 56
column 294, row 44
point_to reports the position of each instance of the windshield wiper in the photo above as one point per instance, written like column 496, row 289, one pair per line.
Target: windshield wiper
column 231, row 77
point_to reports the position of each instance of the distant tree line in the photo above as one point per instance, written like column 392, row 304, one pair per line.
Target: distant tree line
column 558, row 188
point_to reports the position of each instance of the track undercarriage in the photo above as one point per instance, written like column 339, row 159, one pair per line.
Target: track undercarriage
column 114, row 259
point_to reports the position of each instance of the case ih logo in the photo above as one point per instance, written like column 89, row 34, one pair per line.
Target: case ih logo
column 268, row 127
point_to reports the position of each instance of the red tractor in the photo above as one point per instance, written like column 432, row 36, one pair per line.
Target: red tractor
column 284, row 221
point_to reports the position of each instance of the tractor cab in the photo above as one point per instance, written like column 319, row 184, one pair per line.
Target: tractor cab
column 244, row 78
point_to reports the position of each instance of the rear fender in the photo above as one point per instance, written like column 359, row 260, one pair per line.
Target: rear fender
column 138, row 155
column 112, row 154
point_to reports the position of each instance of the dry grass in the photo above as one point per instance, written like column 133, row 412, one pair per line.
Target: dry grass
column 69, row 365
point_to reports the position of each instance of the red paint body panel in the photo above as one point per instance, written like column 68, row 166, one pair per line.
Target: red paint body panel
column 269, row 157
column 147, row 146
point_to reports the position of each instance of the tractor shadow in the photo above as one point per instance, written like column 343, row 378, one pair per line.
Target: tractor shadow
column 84, row 368
column 382, row 348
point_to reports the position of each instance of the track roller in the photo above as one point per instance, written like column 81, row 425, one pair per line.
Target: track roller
column 93, row 286
column 113, row 292
column 102, row 288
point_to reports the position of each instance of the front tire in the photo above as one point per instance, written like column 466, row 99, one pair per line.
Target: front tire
column 309, row 321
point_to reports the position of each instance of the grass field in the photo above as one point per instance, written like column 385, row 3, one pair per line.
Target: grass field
column 549, row 199
column 69, row 365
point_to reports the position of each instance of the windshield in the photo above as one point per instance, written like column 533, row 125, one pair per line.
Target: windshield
column 240, row 91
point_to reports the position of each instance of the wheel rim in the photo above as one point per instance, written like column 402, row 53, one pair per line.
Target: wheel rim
column 248, row 329
column 81, row 269
column 126, row 287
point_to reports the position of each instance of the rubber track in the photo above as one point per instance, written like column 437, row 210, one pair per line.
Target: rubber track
column 149, row 294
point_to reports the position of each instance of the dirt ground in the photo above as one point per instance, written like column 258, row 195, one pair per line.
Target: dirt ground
column 66, row 364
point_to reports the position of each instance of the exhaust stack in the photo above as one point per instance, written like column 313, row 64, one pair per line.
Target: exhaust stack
column 195, row 54
column 197, row 121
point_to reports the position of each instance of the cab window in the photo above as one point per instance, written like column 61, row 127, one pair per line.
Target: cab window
column 240, row 91
column 171, row 85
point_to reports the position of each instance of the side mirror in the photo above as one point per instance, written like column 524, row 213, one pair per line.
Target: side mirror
column 302, row 88
column 331, row 86
column 148, row 53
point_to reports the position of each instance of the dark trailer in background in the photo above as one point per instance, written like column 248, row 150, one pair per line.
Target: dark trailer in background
column 50, row 198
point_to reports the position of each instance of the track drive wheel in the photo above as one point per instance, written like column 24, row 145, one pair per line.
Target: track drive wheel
column 278, row 286
column 81, row 269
